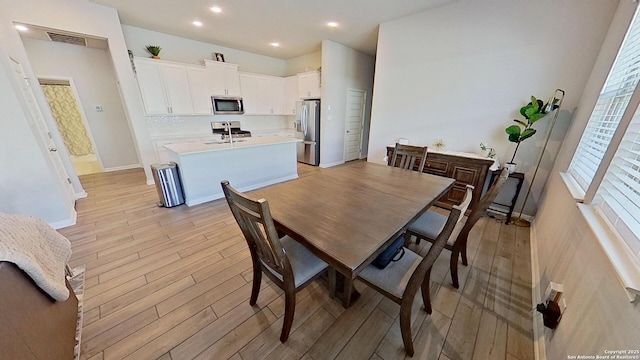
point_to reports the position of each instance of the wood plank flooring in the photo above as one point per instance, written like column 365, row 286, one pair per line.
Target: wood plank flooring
column 175, row 284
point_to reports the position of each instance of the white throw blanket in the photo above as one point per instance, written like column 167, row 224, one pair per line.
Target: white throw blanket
column 37, row 249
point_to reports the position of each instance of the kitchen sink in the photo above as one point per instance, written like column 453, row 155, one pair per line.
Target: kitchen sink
column 223, row 142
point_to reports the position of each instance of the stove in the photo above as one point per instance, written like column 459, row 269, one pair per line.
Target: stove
column 222, row 128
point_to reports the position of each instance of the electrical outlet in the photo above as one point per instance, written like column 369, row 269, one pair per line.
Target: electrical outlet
column 553, row 292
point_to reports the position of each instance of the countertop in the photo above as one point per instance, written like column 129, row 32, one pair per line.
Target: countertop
column 493, row 167
column 193, row 147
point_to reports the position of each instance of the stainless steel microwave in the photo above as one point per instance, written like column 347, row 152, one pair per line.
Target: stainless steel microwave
column 227, row 105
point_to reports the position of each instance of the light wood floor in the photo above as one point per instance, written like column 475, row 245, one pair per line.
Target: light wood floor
column 175, row 283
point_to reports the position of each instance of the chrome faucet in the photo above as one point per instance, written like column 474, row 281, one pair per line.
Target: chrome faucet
column 229, row 128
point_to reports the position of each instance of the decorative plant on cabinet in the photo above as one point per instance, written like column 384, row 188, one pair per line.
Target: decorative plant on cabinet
column 154, row 50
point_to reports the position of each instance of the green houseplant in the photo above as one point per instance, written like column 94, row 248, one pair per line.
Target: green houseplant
column 154, row 50
column 532, row 112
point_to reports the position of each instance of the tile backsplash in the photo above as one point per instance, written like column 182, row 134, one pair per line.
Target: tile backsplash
column 165, row 125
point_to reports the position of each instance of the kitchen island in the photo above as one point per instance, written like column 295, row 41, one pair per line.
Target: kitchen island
column 248, row 163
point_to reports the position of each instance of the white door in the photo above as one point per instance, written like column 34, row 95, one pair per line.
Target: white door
column 42, row 131
column 354, row 124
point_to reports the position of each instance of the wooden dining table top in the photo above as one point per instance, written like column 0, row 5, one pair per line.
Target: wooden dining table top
column 347, row 214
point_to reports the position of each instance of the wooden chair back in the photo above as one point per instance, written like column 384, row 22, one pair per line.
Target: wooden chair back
column 256, row 223
column 407, row 156
column 460, row 245
column 486, row 200
column 420, row 273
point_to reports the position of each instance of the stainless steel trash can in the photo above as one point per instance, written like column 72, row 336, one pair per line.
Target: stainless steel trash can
column 168, row 184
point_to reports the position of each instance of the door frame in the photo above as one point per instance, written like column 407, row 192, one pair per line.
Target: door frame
column 47, row 141
column 85, row 122
column 364, row 106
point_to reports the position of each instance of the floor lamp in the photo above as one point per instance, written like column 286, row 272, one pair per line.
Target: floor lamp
column 557, row 98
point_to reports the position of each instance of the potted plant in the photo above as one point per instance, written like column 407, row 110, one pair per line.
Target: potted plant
column 532, row 112
column 154, row 50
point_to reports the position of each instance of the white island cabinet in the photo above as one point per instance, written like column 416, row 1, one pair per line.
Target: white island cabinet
column 248, row 164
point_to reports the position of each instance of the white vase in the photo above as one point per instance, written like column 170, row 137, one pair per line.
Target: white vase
column 511, row 167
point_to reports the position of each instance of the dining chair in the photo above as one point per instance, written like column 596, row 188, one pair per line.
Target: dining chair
column 430, row 224
column 285, row 261
column 400, row 280
column 407, row 156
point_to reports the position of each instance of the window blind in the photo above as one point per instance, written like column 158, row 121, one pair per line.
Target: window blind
column 609, row 109
column 618, row 197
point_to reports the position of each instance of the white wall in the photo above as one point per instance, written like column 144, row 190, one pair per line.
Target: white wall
column 599, row 316
column 342, row 68
column 304, row 63
column 82, row 17
column 92, row 72
column 189, row 51
column 461, row 72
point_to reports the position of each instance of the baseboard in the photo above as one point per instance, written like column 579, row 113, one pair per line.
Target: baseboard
column 539, row 347
column 331, row 164
column 529, row 218
column 81, row 195
column 73, row 216
column 126, row 167
column 150, row 182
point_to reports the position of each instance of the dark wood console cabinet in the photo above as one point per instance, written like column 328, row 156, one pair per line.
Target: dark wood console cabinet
column 466, row 170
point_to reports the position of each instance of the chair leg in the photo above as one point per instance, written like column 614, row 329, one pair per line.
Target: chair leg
column 332, row 282
column 453, row 265
column 426, row 295
column 463, row 251
column 289, row 311
column 405, row 327
column 257, row 280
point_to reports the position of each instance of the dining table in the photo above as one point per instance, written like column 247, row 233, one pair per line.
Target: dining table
column 348, row 214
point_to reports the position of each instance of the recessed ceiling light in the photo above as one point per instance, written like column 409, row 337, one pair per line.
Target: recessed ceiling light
column 332, row 24
column 216, row 9
column 197, row 23
column 275, row 44
column 21, row 27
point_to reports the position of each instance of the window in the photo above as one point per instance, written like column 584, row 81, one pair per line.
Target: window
column 606, row 164
column 612, row 104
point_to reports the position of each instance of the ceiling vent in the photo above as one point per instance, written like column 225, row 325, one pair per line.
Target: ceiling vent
column 68, row 39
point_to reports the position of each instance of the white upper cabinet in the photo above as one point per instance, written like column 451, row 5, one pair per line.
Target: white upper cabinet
column 151, row 88
column 249, row 97
column 177, row 91
column 290, row 95
column 309, row 85
column 262, row 95
column 226, row 80
column 201, row 85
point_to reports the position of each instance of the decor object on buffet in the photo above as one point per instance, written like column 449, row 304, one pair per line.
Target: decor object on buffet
column 439, row 145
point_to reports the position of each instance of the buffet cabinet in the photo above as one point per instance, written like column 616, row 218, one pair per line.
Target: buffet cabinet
column 465, row 170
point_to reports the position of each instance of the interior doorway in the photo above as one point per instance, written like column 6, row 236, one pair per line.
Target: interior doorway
column 354, row 124
column 72, row 124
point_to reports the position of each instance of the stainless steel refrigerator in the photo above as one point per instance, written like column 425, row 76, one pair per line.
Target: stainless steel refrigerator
column 308, row 127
